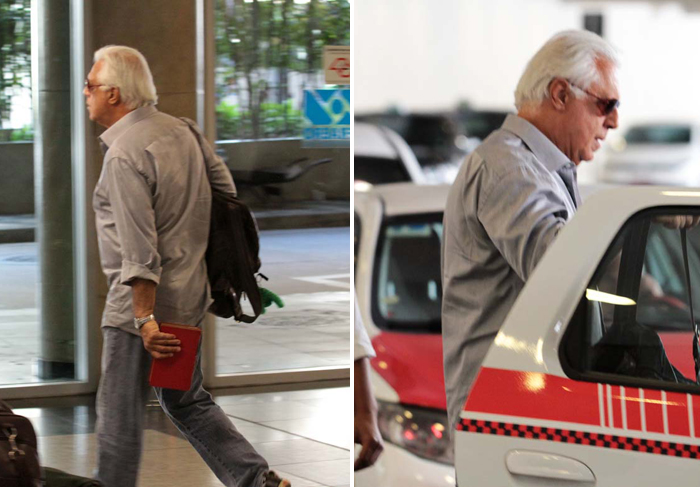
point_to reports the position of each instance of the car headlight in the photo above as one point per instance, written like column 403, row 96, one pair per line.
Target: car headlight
column 421, row 431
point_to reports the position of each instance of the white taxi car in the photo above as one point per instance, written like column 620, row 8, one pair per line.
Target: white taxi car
column 591, row 379
column 602, row 327
column 398, row 229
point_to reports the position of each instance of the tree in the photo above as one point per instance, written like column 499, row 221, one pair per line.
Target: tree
column 15, row 50
column 260, row 45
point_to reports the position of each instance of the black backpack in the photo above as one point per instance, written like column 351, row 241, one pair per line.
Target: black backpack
column 19, row 457
column 233, row 258
column 233, row 251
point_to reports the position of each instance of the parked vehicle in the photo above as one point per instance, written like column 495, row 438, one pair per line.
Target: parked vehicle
column 545, row 368
column 655, row 153
column 382, row 156
column 480, row 123
column 397, row 276
column 591, row 380
column 438, row 140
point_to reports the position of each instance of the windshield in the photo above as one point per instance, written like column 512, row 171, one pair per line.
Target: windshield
column 659, row 134
column 377, row 170
column 407, row 291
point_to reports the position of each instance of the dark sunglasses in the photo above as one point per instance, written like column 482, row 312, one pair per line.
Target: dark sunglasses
column 90, row 86
column 605, row 105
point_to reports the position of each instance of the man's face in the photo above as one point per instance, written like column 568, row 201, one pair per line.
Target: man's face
column 96, row 99
column 588, row 124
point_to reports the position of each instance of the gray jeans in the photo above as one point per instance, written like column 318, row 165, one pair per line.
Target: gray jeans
column 121, row 401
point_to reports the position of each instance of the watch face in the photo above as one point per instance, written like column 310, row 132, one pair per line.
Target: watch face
column 139, row 322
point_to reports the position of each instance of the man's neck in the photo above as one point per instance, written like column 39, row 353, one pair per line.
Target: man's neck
column 117, row 114
column 545, row 122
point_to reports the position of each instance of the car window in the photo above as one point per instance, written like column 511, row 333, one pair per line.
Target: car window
column 378, row 170
column 634, row 320
column 407, row 289
column 659, row 134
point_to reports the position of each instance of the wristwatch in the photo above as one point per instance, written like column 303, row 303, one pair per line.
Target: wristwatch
column 139, row 322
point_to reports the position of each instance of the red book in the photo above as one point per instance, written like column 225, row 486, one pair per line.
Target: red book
column 176, row 372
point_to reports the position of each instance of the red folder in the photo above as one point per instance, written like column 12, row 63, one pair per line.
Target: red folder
column 176, row 372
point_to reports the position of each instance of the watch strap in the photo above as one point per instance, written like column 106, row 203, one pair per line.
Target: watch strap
column 139, row 322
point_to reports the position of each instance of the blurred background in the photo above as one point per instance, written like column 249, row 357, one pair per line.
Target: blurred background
column 432, row 80
column 442, row 75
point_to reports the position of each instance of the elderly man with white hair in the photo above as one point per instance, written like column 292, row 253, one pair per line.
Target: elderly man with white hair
column 516, row 191
column 152, row 205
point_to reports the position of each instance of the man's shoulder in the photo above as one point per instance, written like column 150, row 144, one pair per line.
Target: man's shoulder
column 136, row 140
column 503, row 151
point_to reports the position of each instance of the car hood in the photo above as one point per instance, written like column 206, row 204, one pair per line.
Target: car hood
column 412, row 365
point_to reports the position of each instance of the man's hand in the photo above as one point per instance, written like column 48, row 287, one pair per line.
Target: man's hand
column 367, row 435
column 159, row 345
column 366, row 429
column 678, row 221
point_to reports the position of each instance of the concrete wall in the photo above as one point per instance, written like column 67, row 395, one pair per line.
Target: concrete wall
column 16, row 178
column 331, row 180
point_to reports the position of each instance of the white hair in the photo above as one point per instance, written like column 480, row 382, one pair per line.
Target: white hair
column 572, row 54
column 126, row 68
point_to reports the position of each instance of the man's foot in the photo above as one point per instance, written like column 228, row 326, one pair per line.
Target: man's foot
column 274, row 480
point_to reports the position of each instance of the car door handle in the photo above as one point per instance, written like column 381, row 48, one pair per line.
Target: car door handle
column 548, row 466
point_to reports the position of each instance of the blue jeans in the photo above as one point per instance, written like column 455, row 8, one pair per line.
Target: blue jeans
column 121, row 401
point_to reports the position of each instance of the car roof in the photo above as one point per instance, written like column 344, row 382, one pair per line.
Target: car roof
column 372, row 140
column 410, row 199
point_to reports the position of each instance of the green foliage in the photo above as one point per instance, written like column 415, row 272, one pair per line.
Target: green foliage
column 232, row 123
column 15, row 50
column 259, row 46
column 26, row 133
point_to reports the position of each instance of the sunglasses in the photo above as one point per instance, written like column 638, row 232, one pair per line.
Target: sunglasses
column 90, row 86
column 605, row 105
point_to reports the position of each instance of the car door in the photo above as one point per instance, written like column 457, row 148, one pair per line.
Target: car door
column 591, row 380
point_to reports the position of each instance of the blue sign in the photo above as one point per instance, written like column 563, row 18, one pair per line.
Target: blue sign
column 327, row 118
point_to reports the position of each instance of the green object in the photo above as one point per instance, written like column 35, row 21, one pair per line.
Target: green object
column 56, row 478
column 268, row 297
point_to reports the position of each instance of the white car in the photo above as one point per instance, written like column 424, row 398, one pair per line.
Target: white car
column 655, row 153
column 555, row 399
column 398, row 229
column 382, row 156
column 591, row 379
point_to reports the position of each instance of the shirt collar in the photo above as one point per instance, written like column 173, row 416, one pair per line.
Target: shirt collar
column 543, row 148
column 123, row 124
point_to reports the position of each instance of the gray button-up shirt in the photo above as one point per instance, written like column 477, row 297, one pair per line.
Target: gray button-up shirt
column 152, row 205
column 510, row 199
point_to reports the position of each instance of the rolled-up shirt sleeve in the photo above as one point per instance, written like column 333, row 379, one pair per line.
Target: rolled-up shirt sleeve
column 522, row 217
column 134, row 217
column 363, row 347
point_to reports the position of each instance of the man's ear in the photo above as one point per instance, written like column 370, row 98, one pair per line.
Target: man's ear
column 114, row 97
column 559, row 93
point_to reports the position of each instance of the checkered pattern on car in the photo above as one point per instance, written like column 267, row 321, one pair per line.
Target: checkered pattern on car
column 580, row 438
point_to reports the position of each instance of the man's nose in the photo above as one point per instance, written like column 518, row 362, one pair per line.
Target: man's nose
column 611, row 119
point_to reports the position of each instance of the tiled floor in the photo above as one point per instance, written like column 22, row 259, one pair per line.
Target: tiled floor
column 305, row 435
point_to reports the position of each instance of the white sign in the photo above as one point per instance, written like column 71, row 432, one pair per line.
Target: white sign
column 336, row 64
